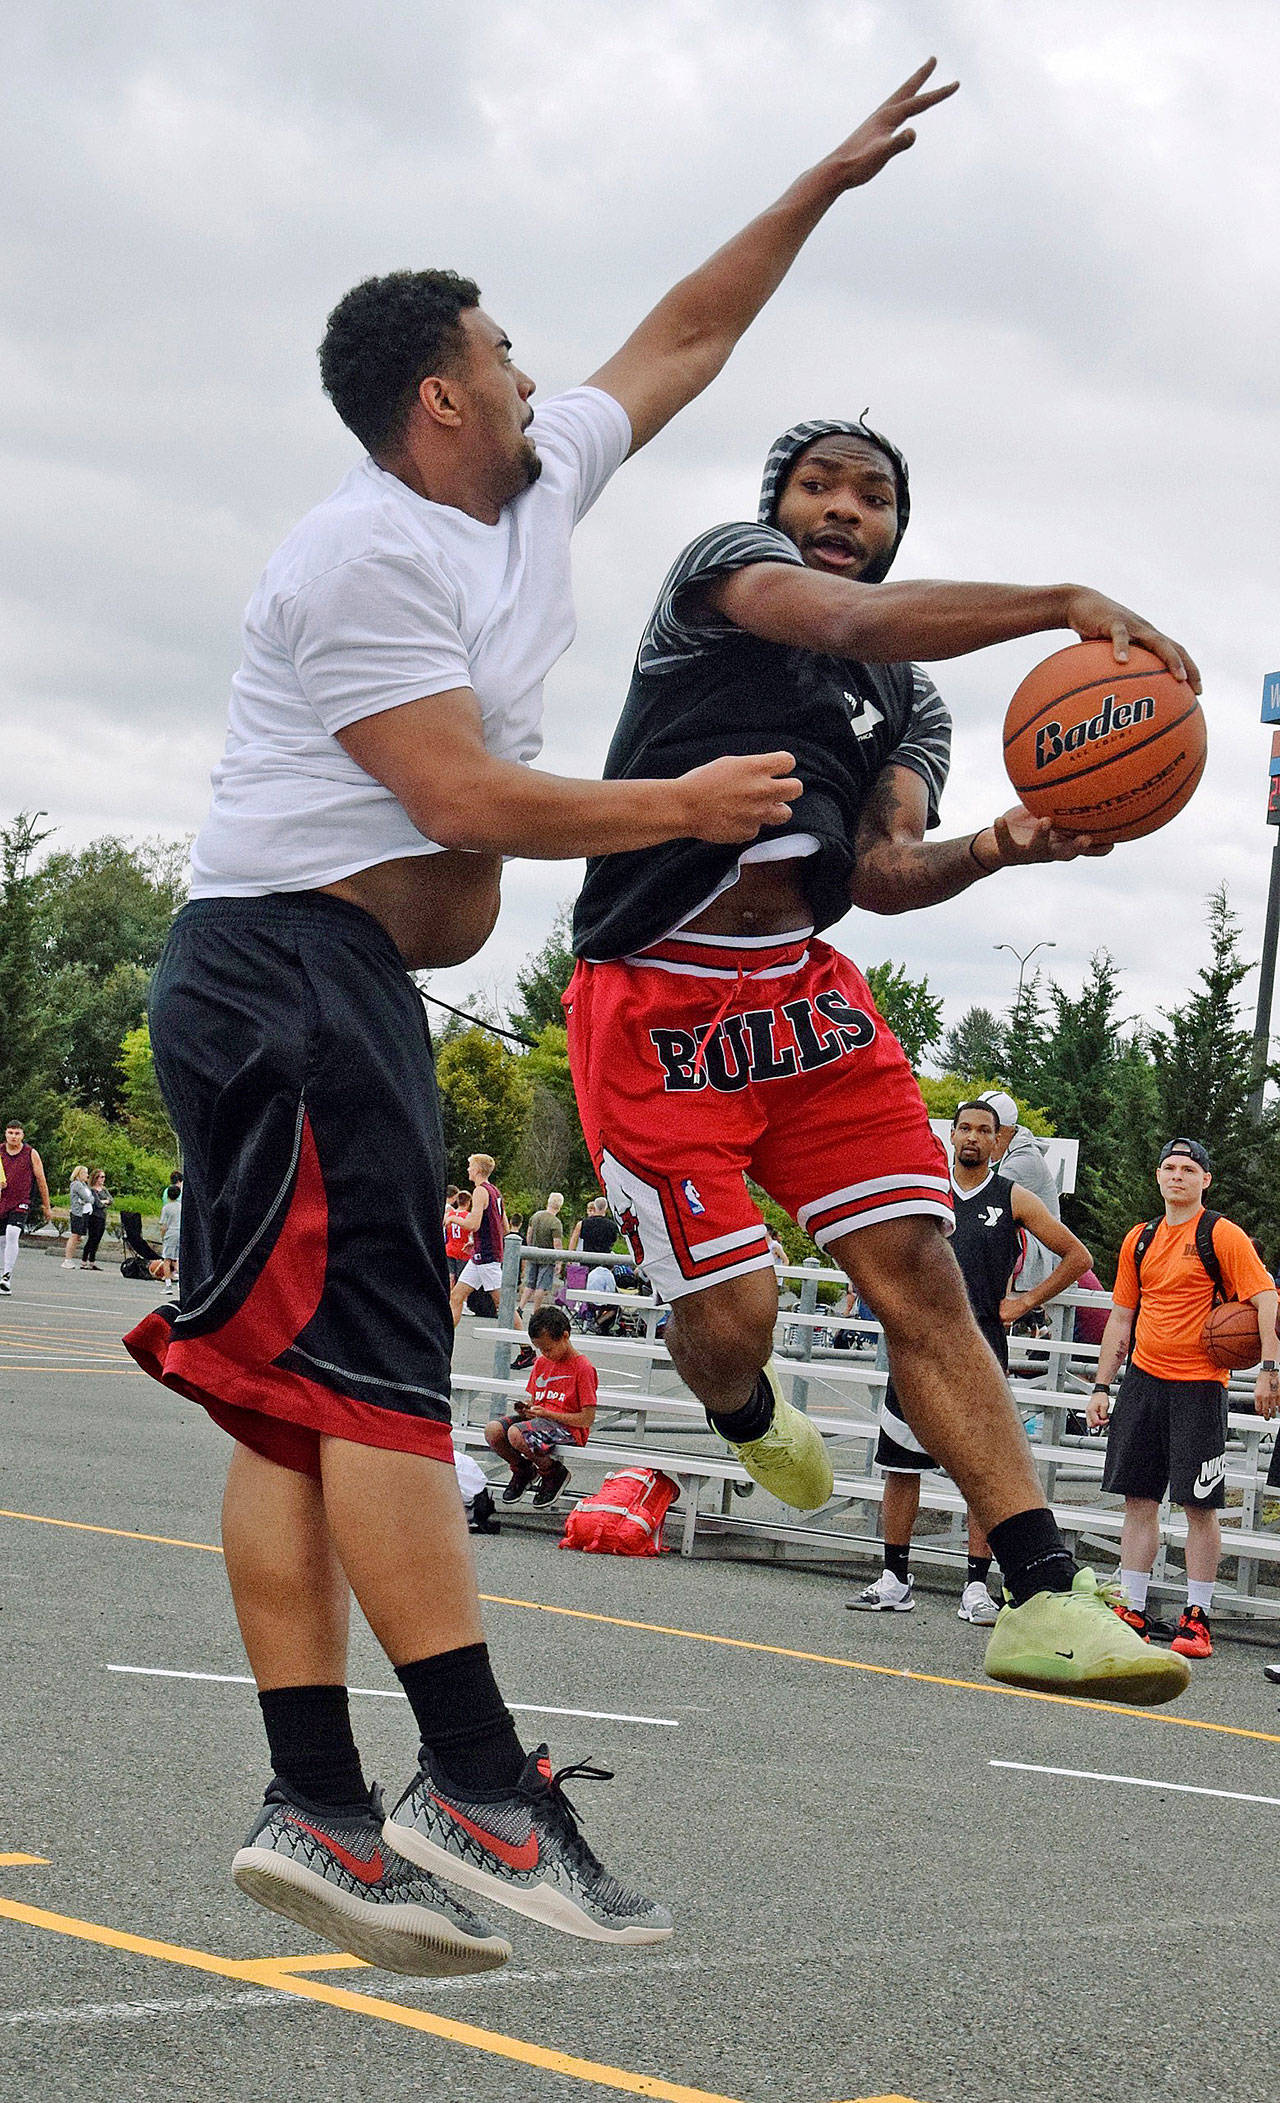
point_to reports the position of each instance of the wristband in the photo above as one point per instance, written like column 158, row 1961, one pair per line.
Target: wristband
column 1102, row 1387
column 1269, row 1365
column 977, row 858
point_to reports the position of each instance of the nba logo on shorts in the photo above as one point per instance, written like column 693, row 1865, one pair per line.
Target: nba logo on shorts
column 691, row 1198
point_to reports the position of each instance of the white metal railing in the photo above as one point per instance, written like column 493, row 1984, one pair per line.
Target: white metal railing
column 840, row 1390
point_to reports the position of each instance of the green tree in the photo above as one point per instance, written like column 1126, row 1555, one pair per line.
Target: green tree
column 544, row 979
column 109, row 903
column 91, row 1016
column 486, row 1095
column 144, row 1109
column 553, row 1153
column 973, row 1048
column 28, row 1038
column 911, row 1011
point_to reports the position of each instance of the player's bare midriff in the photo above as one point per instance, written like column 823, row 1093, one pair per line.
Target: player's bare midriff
column 438, row 909
column 768, row 899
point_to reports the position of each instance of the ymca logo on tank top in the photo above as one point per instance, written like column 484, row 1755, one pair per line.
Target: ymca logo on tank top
column 985, row 1241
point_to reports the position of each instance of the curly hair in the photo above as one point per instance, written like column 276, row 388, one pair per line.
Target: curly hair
column 384, row 338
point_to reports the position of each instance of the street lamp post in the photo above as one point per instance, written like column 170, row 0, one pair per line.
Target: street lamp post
column 1023, row 961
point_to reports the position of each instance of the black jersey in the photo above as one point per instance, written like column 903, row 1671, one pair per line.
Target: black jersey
column 985, row 1242
column 703, row 687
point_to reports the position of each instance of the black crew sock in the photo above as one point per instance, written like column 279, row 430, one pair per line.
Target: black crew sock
column 749, row 1422
column 1032, row 1554
column 979, row 1569
column 897, row 1561
column 312, row 1749
column 463, row 1719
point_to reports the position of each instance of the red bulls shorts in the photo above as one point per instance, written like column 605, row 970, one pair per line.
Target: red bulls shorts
column 711, row 1059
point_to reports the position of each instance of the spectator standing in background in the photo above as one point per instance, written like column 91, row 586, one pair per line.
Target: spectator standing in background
column 544, row 1231
column 597, row 1230
column 486, row 1222
column 1170, row 1428
column 990, row 1211
column 98, row 1220
column 170, row 1229
column 23, row 1171
column 458, row 1237
column 81, row 1214
column 1018, row 1157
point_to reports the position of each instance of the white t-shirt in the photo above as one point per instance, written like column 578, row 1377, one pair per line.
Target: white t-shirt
column 379, row 597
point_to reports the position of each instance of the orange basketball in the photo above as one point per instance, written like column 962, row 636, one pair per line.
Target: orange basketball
column 1114, row 750
column 1230, row 1336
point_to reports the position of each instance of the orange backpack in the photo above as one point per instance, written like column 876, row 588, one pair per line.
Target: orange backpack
column 625, row 1515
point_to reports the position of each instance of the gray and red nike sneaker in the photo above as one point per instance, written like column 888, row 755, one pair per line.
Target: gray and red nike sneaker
column 332, row 1872
column 521, row 1847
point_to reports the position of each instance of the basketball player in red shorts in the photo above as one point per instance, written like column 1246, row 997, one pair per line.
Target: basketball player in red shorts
column 713, row 1035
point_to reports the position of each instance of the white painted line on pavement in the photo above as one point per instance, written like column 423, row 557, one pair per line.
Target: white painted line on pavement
column 1136, row 1781
column 272, row 1997
column 526, row 1708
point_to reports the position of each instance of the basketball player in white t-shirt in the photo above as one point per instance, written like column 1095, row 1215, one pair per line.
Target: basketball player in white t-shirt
column 377, row 769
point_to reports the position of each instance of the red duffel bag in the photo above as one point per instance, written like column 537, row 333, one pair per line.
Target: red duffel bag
column 625, row 1515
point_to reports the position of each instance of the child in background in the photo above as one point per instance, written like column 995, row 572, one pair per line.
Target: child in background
column 559, row 1411
column 170, row 1228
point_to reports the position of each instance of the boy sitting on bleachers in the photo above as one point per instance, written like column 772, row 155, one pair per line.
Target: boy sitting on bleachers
column 559, row 1410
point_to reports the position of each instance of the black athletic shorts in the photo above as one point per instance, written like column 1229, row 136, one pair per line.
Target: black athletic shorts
column 294, row 1057
column 16, row 1218
column 1168, row 1435
column 898, row 1450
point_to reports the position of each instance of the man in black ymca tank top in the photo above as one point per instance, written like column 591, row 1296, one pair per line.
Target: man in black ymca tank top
column 990, row 1214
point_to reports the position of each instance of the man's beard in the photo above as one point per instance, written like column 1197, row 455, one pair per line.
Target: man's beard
column 532, row 463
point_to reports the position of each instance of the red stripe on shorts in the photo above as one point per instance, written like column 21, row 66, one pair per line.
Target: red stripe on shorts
column 230, row 1372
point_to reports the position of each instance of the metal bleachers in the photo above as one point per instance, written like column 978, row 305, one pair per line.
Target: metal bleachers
column 647, row 1417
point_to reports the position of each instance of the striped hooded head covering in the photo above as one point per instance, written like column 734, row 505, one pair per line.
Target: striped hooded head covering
column 784, row 452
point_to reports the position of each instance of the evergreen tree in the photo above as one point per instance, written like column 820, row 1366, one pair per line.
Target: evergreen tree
column 543, row 980
column 28, row 1039
column 911, row 1011
column 974, row 1048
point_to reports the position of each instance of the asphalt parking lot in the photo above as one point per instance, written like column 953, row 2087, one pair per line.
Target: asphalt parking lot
column 890, row 1878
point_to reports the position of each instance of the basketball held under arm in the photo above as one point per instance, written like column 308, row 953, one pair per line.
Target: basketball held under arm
column 431, row 755
column 680, row 347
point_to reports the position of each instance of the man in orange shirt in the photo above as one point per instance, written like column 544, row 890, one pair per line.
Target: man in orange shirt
column 1170, row 1429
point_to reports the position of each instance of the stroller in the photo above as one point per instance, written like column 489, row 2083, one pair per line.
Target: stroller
column 140, row 1256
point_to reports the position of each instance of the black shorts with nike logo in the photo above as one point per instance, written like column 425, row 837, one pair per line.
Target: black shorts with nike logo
column 1168, row 1435
column 293, row 1054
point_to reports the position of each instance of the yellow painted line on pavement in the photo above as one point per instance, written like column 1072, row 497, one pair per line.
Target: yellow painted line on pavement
column 119, row 1533
column 336, row 1961
column 269, row 1972
column 1121, row 1710
column 19, row 1861
column 928, row 1679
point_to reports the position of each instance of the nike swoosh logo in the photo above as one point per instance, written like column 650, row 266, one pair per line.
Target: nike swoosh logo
column 367, row 1869
column 1064, row 1653
column 524, row 1857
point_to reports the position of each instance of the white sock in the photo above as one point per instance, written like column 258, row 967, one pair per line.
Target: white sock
column 1134, row 1585
column 12, row 1236
column 1200, row 1593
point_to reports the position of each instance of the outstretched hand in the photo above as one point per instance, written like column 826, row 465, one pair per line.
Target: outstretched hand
column 1096, row 618
column 880, row 136
column 1023, row 840
column 729, row 799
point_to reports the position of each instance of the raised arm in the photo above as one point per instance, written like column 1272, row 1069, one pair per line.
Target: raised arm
column 1074, row 1258
column 431, row 755
column 896, row 870
column 680, row 347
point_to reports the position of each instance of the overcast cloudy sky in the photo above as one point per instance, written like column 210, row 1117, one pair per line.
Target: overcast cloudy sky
column 1063, row 303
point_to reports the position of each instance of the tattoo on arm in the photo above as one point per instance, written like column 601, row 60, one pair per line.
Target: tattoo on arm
column 896, row 869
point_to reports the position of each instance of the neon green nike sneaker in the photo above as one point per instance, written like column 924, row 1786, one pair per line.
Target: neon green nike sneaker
column 1074, row 1643
column 789, row 1459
